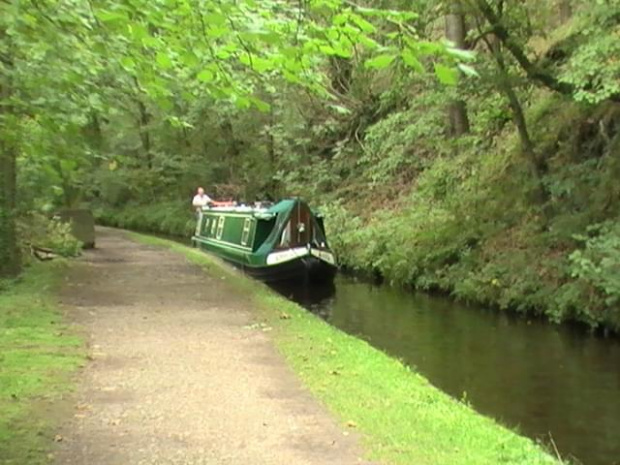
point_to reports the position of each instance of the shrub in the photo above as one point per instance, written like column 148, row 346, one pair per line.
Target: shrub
column 39, row 230
column 598, row 263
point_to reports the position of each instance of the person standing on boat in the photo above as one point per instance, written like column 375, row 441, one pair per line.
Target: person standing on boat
column 200, row 199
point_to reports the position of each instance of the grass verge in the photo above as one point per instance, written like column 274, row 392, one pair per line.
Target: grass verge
column 37, row 355
column 402, row 417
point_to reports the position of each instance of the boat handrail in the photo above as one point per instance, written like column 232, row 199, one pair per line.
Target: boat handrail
column 237, row 209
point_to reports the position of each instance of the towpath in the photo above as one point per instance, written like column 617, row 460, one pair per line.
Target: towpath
column 177, row 376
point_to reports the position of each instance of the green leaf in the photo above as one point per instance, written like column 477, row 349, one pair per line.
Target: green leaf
column 216, row 19
column 367, row 42
column 189, row 59
column 446, row 75
column 217, row 32
column 241, row 102
column 460, row 54
column 364, row 25
column 380, row 61
column 110, row 16
column 164, row 61
column 262, row 64
column 468, row 70
column 256, row 63
column 150, row 42
column 412, row 61
column 206, row 75
column 424, row 47
column 340, row 19
column 270, row 38
column 128, row 63
column 138, row 31
column 340, row 109
column 260, row 104
column 327, row 50
column 67, row 165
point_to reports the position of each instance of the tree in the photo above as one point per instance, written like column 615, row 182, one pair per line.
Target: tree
column 69, row 67
column 565, row 10
column 9, row 250
column 456, row 32
column 498, row 28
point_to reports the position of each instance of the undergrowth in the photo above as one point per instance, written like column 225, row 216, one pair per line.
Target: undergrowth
column 172, row 218
column 473, row 228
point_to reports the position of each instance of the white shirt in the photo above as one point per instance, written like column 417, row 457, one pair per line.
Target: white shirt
column 201, row 200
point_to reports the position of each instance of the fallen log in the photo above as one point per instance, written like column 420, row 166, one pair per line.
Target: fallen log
column 42, row 253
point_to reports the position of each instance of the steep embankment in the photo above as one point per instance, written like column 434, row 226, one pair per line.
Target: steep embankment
column 476, row 227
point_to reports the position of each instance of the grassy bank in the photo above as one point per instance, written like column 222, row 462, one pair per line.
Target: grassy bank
column 402, row 417
column 37, row 355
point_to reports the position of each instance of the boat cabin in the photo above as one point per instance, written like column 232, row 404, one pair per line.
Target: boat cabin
column 262, row 236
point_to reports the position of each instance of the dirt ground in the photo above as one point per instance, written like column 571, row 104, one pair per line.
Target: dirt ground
column 178, row 375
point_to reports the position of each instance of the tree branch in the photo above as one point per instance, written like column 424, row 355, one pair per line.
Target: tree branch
column 532, row 70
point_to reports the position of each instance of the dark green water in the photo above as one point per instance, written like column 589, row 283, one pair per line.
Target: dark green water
column 540, row 379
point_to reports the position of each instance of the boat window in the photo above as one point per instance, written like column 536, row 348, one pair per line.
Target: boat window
column 285, row 238
column 247, row 225
column 213, row 226
column 318, row 237
column 220, row 227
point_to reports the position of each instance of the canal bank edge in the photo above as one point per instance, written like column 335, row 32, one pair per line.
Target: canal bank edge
column 38, row 354
column 402, row 417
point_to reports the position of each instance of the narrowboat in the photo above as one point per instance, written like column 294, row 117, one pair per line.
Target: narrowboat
column 271, row 242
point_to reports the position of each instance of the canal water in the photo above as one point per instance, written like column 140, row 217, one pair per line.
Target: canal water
column 545, row 381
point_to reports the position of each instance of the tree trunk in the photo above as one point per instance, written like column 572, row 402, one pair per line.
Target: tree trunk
column 93, row 133
column 341, row 74
column 565, row 10
column 272, row 187
column 456, row 32
column 458, row 120
column 145, row 135
column 10, row 264
column 233, row 149
column 538, row 166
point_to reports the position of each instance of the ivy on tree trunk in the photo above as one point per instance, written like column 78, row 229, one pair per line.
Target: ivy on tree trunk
column 456, row 32
column 9, row 250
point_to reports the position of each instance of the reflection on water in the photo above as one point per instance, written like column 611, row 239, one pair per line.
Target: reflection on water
column 546, row 381
column 315, row 297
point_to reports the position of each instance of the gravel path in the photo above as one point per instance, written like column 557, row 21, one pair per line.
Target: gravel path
column 178, row 377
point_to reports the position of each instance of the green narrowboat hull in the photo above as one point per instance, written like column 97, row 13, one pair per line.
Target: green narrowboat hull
column 285, row 241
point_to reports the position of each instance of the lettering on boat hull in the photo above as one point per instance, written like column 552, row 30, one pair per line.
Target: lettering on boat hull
column 286, row 255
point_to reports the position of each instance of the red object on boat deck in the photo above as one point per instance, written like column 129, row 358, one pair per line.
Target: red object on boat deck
column 227, row 203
